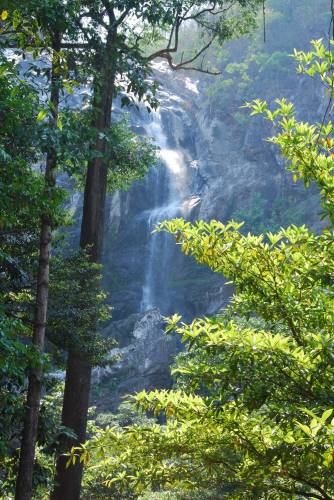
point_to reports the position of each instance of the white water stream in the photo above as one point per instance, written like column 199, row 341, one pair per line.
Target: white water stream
column 169, row 184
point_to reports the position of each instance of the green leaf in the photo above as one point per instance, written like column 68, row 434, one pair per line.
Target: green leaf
column 305, row 429
column 326, row 414
column 41, row 115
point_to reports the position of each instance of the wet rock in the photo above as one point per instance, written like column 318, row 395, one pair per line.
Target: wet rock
column 143, row 359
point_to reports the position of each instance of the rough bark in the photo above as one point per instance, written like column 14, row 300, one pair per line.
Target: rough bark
column 27, row 453
column 74, row 416
column 78, row 371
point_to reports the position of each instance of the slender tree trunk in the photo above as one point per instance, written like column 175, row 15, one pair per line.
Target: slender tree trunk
column 27, row 453
column 78, row 370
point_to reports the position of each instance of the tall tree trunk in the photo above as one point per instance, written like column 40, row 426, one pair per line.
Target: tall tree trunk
column 27, row 453
column 74, row 416
column 78, row 370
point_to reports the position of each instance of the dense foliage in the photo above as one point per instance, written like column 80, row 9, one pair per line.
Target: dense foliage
column 252, row 412
column 21, row 183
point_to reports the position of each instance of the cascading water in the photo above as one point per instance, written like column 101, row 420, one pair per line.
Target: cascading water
column 145, row 270
column 169, row 184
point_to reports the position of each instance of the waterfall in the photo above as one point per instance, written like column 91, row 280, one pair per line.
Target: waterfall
column 145, row 270
column 169, row 183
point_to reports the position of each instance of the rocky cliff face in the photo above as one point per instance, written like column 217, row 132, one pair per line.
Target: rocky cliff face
column 144, row 355
column 147, row 270
column 214, row 163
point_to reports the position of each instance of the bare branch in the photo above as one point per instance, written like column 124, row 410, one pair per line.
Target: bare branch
column 176, row 67
column 168, row 50
column 198, row 70
column 185, row 64
column 166, row 53
column 196, row 56
column 172, row 32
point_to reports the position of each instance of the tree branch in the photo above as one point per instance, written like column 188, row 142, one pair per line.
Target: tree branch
column 196, row 56
column 295, row 491
column 313, row 485
column 166, row 53
column 168, row 50
column 209, row 10
column 121, row 18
